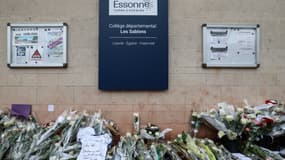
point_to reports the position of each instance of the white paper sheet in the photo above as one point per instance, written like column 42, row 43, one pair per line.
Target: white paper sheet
column 93, row 147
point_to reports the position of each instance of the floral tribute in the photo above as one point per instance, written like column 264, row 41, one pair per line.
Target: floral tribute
column 245, row 126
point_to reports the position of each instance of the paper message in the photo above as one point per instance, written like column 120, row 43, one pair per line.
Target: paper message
column 93, row 147
column 85, row 132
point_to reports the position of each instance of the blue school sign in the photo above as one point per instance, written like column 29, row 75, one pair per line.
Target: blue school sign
column 133, row 45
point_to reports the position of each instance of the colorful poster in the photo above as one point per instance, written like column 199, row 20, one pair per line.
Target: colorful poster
column 55, row 43
column 26, row 37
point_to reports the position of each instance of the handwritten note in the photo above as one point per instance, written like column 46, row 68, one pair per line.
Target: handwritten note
column 85, row 132
column 94, row 147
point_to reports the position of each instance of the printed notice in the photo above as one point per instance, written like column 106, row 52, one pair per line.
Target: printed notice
column 246, row 42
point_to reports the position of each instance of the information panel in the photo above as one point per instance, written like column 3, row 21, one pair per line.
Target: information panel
column 37, row 45
column 133, row 45
column 231, row 46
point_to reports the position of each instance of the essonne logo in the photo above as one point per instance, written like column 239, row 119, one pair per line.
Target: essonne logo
column 133, row 7
column 131, row 4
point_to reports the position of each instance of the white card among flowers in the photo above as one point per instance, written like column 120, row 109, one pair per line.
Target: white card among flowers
column 93, row 147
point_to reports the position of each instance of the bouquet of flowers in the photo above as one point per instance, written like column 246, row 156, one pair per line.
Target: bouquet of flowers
column 27, row 139
column 246, row 125
column 199, row 149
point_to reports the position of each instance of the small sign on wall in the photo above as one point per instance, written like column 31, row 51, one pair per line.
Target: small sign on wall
column 37, row 45
column 233, row 46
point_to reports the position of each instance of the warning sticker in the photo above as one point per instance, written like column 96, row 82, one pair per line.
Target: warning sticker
column 36, row 55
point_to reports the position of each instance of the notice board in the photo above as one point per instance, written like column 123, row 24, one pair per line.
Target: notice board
column 231, row 46
column 133, row 45
column 37, row 45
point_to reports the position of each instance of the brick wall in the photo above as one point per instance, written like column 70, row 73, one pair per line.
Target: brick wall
column 191, row 87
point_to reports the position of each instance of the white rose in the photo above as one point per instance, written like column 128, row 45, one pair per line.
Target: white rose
column 128, row 134
column 157, row 134
column 229, row 118
column 222, row 112
column 251, row 116
column 240, row 110
column 179, row 136
column 243, row 121
column 221, row 134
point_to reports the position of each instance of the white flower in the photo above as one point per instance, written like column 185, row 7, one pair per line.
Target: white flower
column 277, row 109
column 240, row 110
column 244, row 121
column 229, row 118
column 210, row 141
column 10, row 122
column 128, row 134
column 221, row 134
column 71, row 123
column 60, row 119
column 251, row 116
column 69, row 118
column 156, row 134
column 277, row 119
column 179, row 136
column 222, row 112
column 212, row 111
column 29, row 127
column 232, row 135
column 199, row 116
column 71, row 152
column 136, row 136
column 194, row 114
